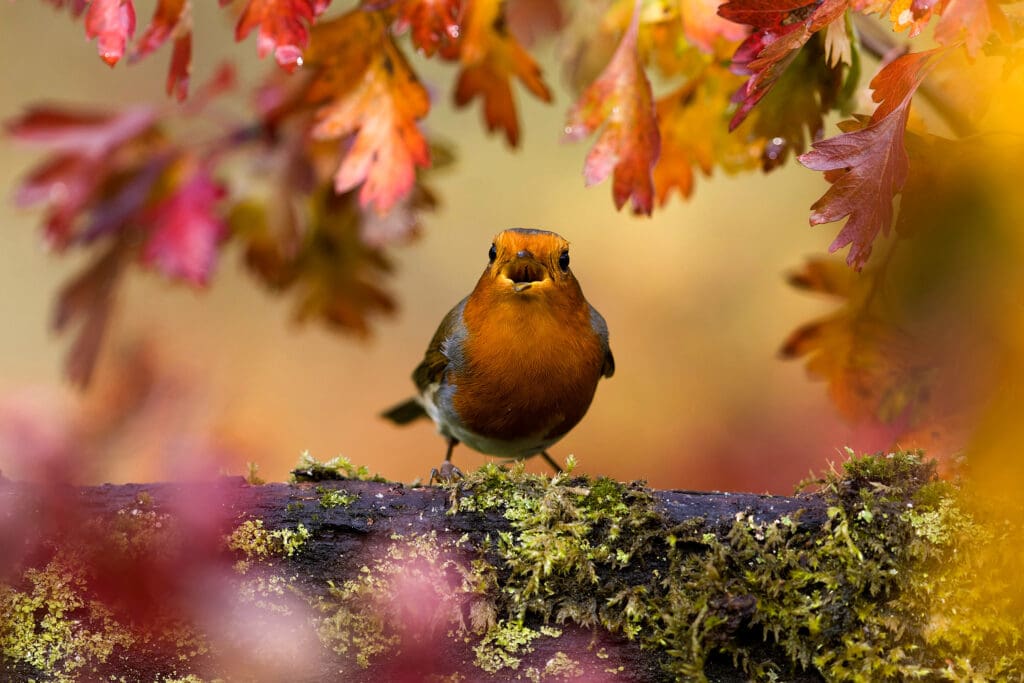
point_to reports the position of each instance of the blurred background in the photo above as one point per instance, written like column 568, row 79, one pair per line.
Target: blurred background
column 197, row 381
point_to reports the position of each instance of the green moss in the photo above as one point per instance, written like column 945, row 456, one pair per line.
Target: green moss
column 900, row 581
column 332, row 498
column 311, row 469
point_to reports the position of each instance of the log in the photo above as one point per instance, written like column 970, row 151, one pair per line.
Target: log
column 500, row 576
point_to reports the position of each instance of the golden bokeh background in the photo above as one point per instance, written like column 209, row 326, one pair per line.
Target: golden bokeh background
column 695, row 299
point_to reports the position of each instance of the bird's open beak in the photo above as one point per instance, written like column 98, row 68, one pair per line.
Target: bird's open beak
column 524, row 272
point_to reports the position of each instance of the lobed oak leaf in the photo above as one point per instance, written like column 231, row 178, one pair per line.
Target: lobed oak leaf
column 868, row 166
column 491, row 57
column 372, row 103
column 171, row 18
column 628, row 146
column 185, row 227
column 283, row 27
column 112, row 22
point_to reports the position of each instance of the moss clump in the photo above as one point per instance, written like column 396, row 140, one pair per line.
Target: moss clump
column 311, row 469
column 332, row 498
column 567, row 537
column 900, row 581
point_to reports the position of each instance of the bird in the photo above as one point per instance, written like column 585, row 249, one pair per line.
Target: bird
column 513, row 366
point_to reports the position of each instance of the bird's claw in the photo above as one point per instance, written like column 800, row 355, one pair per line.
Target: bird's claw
column 447, row 474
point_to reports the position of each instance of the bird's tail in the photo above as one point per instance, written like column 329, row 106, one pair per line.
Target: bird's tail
column 405, row 412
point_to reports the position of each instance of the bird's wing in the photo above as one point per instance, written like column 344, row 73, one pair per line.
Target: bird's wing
column 601, row 327
column 441, row 349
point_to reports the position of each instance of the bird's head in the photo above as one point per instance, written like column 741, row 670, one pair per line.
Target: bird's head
column 529, row 263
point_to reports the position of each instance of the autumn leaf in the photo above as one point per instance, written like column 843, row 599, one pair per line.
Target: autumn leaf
column 874, row 369
column 185, row 227
column 89, row 298
column 112, row 22
column 692, row 124
column 86, row 149
column 628, row 145
column 371, row 100
column 432, row 24
column 283, row 27
column 172, row 18
column 335, row 275
column 867, row 166
column 781, row 28
column 491, row 57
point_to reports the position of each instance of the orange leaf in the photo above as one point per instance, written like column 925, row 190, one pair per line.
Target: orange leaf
column 620, row 100
column 372, row 101
column 490, row 58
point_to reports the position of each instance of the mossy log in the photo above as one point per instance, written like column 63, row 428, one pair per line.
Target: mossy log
column 502, row 576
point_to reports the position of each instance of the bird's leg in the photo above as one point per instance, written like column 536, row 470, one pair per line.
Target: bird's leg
column 448, row 472
column 551, row 461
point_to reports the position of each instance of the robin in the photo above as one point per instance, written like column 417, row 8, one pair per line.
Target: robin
column 514, row 366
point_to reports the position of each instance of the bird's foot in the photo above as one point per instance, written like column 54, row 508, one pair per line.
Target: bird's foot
column 446, row 474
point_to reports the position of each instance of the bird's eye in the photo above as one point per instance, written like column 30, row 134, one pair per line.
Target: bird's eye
column 493, row 253
column 563, row 261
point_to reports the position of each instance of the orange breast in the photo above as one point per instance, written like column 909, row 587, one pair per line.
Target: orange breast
column 530, row 366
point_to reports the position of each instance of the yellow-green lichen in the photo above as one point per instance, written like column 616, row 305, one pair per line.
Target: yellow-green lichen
column 256, row 542
column 51, row 625
column 503, row 645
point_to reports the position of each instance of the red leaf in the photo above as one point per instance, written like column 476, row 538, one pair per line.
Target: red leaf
column 187, row 229
column 282, row 27
column 867, row 167
column 88, row 133
column 436, row 24
column 85, row 147
column 113, row 22
column 621, row 100
column 782, row 27
column 491, row 58
column 171, row 19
